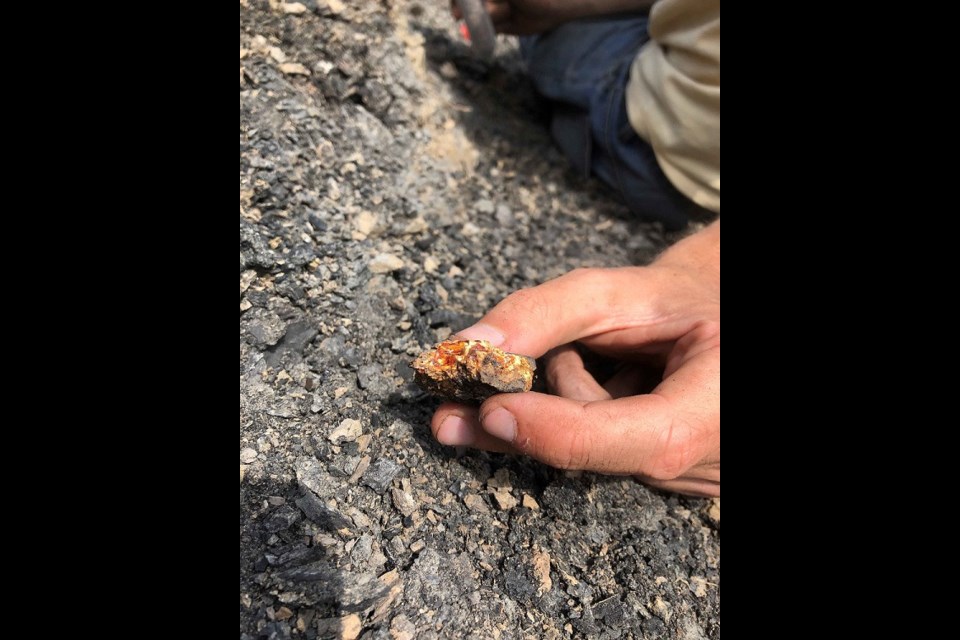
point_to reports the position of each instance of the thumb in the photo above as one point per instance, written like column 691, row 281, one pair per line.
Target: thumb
column 629, row 435
column 578, row 304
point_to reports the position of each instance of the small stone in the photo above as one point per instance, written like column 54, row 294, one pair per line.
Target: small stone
column 518, row 583
column 333, row 189
column 243, row 471
column 362, row 549
column 415, row 226
column 246, row 279
column 469, row 230
column 391, row 580
column 277, row 54
column 448, row 70
column 541, row 571
column 294, row 8
column 530, row 503
column 363, row 442
column 283, row 613
column 404, row 502
column 484, row 206
column 314, row 477
column 380, row 474
column 248, row 455
column 321, row 514
column 714, row 511
column 298, row 336
column 294, row 69
column 350, row 626
column 430, row 264
column 611, row 611
column 500, row 479
column 385, row 263
column 339, row 391
column 476, row 503
column 265, row 328
column 344, row 466
column 361, row 468
column 366, row 223
column 281, row 519
column 348, row 431
column 304, row 619
column 505, row 499
column 504, row 215
column 662, row 609
column 402, row 629
column 418, row 546
column 370, row 376
column 698, row 586
column 333, row 6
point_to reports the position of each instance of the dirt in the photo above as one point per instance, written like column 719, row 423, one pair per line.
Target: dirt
column 393, row 188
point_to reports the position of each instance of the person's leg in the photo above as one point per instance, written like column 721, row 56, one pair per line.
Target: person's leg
column 582, row 67
column 627, row 162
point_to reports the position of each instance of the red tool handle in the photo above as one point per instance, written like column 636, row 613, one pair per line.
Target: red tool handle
column 483, row 37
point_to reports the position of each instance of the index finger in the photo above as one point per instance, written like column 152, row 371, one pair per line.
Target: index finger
column 581, row 303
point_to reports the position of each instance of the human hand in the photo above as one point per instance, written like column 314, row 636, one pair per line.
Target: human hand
column 669, row 311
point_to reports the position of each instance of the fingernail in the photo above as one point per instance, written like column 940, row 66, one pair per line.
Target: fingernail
column 501, row 424
column 455, row 431
column 482, row 332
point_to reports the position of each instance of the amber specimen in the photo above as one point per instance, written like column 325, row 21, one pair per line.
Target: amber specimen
column 472, row 371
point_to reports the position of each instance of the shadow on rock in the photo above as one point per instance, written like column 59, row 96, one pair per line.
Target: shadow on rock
column 305, row 555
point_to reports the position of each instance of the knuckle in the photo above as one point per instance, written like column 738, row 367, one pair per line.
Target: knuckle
column 528, row 304
column 578, row 450
column 575, row 452
column 675, row 453
column 568, row 444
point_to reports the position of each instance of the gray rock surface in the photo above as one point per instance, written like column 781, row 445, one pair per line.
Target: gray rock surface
column 388, row 139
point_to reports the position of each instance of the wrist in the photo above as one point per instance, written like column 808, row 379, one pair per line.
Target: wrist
column 698, row 253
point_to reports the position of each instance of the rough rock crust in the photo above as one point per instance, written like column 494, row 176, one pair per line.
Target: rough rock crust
column 472, row 371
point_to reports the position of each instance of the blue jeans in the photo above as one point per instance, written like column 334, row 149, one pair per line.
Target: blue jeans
column 582, row 67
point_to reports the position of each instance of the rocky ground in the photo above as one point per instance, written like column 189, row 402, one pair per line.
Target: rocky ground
column 392, row 189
